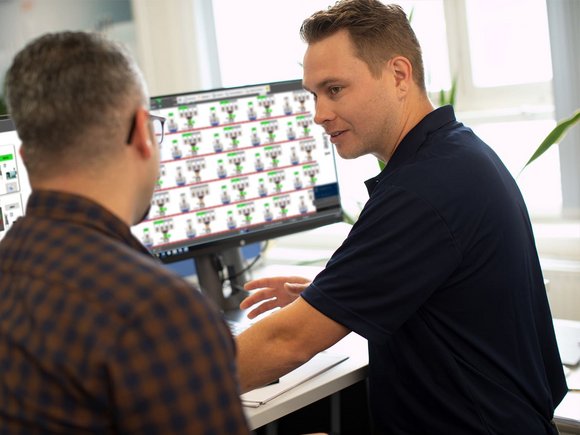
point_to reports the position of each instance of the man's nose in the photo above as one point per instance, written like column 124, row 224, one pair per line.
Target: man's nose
column 323, row 113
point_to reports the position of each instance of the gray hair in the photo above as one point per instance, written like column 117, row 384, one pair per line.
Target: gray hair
column 378, row 32
column 72, row 96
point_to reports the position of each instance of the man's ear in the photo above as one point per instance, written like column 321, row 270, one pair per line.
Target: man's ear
column 142, row 136
column 403, row 72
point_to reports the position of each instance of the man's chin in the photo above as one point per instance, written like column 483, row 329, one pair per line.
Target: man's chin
column 144, row 216
column 346, row 153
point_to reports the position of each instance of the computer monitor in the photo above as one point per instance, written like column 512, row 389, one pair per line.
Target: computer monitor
column 14, row 186
column 238, row 165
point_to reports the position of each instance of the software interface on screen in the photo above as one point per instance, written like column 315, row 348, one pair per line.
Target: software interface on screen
column 14, row 187
column 238, row 162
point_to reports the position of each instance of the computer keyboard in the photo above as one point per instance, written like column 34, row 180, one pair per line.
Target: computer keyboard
column 237, row 327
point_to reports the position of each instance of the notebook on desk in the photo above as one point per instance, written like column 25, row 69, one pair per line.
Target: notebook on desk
column 317, row 365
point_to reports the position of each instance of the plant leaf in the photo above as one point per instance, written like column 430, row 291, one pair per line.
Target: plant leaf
column 554, row 136
column 453, row 91
column 445, row 97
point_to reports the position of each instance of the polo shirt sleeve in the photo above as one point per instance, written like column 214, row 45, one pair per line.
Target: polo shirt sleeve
column 397, row 254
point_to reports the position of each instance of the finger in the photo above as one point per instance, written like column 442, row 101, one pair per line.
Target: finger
column 260, row 283
column 258, row 296
column 277, row 281
column 262, row 308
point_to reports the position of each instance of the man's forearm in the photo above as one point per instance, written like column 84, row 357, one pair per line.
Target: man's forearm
column 265, row 354
column 283, row 341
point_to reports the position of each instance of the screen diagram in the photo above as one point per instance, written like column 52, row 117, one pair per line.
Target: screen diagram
column 234, row 160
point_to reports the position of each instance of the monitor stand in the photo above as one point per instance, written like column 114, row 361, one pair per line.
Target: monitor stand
column 210, row 268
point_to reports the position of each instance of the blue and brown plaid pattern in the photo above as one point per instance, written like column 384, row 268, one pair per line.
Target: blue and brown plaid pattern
column 97, row 337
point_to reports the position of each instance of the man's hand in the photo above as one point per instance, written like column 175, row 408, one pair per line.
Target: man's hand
column 272, row 293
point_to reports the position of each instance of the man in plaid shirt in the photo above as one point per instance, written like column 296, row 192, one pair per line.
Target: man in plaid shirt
column 95, row 335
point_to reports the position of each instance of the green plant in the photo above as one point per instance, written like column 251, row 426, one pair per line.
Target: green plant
column 448, row 98
column 555, row 136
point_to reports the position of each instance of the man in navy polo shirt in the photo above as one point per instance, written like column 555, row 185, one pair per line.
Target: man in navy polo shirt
column 440, row 273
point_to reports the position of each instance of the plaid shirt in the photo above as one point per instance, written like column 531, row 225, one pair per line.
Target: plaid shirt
column 97, row 337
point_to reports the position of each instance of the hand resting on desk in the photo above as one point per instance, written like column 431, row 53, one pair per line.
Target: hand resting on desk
column 272, row 293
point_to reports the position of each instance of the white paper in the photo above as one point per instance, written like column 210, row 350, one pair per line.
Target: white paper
column 568, row 338
column 317, row 365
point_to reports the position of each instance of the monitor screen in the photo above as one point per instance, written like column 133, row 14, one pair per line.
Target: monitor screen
column 14, row 187
column 238, row 165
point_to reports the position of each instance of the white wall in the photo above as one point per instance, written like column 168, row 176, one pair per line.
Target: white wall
column 22, row 21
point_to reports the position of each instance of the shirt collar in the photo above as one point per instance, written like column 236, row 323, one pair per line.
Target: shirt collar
column 413, row 141
column 83, row 211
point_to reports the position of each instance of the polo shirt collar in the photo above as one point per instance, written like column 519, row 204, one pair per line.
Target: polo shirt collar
column 413, row 141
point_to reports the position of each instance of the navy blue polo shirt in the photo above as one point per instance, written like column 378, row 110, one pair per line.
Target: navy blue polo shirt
column 441, row 275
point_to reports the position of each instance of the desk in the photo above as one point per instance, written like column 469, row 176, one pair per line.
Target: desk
column 354, row 369
column 343, row 375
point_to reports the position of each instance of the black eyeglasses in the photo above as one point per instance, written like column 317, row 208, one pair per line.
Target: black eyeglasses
column 158, row 123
